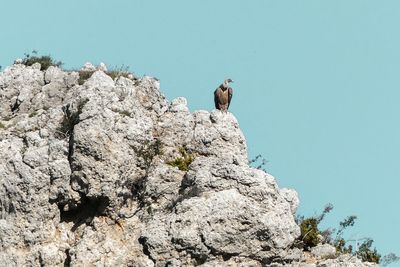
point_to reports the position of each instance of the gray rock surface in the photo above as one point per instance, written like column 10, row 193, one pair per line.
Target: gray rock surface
column 91, row 175
column 346, row 261
column 88, row 67
column 102, row 67
column 324, row 251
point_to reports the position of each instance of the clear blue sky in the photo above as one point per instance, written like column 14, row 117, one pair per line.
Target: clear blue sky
column 317, row 83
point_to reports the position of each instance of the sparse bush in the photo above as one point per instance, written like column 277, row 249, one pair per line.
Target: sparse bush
column 148, row 151
column 70, row 119
column 84, row 76
column 258, row 162
column 311, row 236
column 122, row 71
column 366, row 253
column 182, row 162
column 339, row 242
column 328, row 208
column 341, row 248
column 116, row 72
column 45, row 61
column 2, row 126
column 388, row 259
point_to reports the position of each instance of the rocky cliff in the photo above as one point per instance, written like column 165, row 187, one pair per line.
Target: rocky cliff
column 109, row 173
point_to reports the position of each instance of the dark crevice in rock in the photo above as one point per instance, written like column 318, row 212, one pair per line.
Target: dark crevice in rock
column 70, row 119
column 187, row 190
column 145, row 153
column 70, row 148
column 16, row 105
column 269, row 261
column 143, row 241
column 85, row 212
column 26, row 144
column 136, row 191
column 41, row 262
column 67, row 262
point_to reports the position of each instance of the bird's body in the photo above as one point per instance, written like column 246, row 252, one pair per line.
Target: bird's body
column 223, row 95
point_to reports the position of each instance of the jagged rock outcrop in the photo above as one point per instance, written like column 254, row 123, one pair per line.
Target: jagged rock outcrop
column 89, row 177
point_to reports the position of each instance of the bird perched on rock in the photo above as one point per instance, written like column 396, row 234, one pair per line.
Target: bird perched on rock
column 223, row 95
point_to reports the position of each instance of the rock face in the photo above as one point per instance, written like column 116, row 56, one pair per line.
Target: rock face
column 109, row 173
column 324, row 251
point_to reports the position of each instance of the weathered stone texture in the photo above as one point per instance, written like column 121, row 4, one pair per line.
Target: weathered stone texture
column 85, row 179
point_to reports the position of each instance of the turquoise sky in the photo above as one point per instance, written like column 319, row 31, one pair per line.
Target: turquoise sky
column 316, row 92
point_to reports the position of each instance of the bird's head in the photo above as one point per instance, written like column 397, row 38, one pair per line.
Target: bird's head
column 227, row 81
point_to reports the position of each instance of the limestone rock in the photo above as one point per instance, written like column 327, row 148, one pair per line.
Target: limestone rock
column 102, row 67
column 291, row 196
column 346, row 260
column 324, row 251
column 89, row 177
column 54, row 74
column 179, row 105
column 36, row 66
column 88, row 67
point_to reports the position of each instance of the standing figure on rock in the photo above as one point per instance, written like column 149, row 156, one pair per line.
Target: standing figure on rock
column 223, row 96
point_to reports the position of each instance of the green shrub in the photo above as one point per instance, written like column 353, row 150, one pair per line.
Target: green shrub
column 366, row 253
column 309, row 232
column 182, row 162
column 310, row 237
column 45, row 61
column 2, row 126
column 341, row 248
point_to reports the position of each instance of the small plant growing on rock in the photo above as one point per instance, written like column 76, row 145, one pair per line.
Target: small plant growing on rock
column 2, row 126
column 122, row 71
column 116, row 72
column 182, row 162
column 311, row 236
column 339, row 242
column 84, row 75
column 45, row 61
column 258, row 162
column 148, row 151
column 366, row 253
column 309, row 232
column 70, row 119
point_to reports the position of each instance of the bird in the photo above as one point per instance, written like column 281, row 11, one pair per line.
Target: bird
column 223, row 95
